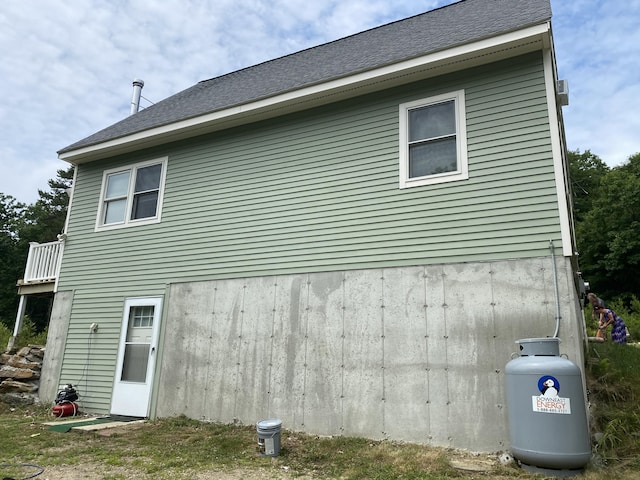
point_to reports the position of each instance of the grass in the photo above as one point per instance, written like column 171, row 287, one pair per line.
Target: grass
column 28, row 335
column 181, row 448
column 613, row 380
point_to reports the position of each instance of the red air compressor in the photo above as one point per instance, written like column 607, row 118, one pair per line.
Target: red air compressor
column 65, row 402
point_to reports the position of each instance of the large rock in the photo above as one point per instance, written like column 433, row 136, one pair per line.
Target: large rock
column 22, row 373
column 19, row 387
column 22, row 362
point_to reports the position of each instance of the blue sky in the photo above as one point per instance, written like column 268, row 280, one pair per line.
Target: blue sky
column 67, row 65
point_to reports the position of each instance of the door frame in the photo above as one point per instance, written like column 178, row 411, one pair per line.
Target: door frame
column 130, row 398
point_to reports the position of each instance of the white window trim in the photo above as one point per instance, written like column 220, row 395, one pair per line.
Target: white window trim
column 127, row 221
column 461, row 141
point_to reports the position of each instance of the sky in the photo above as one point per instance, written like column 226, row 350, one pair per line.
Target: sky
column 67, row 66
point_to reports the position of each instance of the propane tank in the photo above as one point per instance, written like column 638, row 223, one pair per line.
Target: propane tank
column 547, row 415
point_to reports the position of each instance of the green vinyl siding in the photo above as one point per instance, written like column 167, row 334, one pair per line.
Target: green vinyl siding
column 318, row 191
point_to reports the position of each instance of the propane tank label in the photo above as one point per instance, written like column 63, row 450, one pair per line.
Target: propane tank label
column 549, row 400
column 551, row 405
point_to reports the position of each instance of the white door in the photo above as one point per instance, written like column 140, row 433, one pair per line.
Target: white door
column 136, row 357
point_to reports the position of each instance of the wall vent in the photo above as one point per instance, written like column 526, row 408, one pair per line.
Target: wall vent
column 563, row 92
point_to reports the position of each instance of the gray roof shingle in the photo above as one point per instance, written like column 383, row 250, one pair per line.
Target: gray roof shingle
column 456, row 24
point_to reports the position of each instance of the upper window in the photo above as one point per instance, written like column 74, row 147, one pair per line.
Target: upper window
column 132, row 195
column 433, row 140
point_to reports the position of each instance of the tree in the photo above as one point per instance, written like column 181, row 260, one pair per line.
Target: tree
column 586, row 171
column 43, row 222
column 45, row 219
column 607, row 236
column 20, row 224
column 11, row 258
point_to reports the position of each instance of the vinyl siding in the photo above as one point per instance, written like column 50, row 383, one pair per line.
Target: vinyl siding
column 318, row 191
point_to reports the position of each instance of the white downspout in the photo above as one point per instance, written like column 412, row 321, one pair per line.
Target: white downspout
column 555, row 287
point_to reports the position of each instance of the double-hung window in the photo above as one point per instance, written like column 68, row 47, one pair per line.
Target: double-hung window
column 433, row 143
column 132, row 195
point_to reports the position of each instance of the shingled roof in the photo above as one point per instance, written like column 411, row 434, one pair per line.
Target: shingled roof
column 444, row 28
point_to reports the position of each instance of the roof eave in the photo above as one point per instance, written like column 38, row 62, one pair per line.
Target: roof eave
column 518, row 42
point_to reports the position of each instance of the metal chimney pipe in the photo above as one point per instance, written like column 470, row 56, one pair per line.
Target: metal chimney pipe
column 137, row 92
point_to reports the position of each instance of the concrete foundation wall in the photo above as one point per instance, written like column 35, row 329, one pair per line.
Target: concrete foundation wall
column 56, row 341
column 414, row 353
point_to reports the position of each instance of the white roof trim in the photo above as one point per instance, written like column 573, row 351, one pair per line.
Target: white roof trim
column 444, row 61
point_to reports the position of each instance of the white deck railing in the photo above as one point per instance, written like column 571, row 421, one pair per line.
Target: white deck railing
column 43, row 262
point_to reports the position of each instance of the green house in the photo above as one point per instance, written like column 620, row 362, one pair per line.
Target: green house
column 350, row 238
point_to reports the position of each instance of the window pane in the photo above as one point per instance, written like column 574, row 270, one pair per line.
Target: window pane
column 141, row 316
column 144, row 205
column 432, row 121
column 433, row 157
column 114, row 211
column 117, row 185
column 148, row 178
column 134, row 368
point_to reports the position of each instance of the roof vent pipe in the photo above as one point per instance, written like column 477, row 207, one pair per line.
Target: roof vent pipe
column 135, row 99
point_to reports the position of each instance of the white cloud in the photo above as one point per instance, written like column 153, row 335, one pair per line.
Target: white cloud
column 68, row 64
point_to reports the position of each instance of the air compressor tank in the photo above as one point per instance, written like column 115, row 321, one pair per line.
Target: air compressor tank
column 547, row 413
column 66, row 409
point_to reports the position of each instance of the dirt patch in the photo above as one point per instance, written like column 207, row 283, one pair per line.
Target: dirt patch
column 468, row 465
column 107, row 432
column 89, row 471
